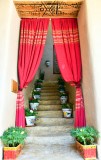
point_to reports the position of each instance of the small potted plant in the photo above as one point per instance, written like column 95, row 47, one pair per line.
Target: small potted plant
column 61, row 82
column 38, row 87
column 34, row 103
column 85, row 141
column 61, row 89
column 63, row 97
column 67, row 110
column 31, row 116
column 39, row 81
column 41, row 76
column 13, row 139
column 36, row 94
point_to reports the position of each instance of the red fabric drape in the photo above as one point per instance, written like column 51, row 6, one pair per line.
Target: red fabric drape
column 67, row 46
column 32, row 41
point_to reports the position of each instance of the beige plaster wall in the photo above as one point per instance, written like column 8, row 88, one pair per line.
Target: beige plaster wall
column 9, row 35
column 72, row 93
column 48, row 55
column 87, row 80
column 89, row 21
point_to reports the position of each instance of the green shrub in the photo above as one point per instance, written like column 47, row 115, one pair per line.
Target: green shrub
column 61, row 81
column 67, row 105
column 32, row 100
column 13, row 136
column 29, row 112
column 35, row 93
column 85, row 135
column 42, row 75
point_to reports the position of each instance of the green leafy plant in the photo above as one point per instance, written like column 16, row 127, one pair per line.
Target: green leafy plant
column 13, row 136
column 38, row 86
column 33, row 100
column 61, row 88
column 64, row 94
column 85, row 135
column 39, row 81
column 61, row 81
column 29, row 112
column 67, row 105
column 41, row 76
column 36, row 92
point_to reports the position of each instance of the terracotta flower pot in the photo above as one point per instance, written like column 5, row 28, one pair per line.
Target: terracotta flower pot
column 12, row 152
column 87, row 151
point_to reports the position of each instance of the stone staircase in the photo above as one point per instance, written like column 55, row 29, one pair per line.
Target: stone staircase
column 50, row 139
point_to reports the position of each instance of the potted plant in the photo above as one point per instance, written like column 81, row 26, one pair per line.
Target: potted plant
column 85, row 141
column 61, row 81
column 31, row 116
column 34, row 103
column 63, row 97
column 42, row 75
column 36, row 94
column 38, row 87
column 61, row 89
column 13, row 139
column 67, row 110
column 39, row 81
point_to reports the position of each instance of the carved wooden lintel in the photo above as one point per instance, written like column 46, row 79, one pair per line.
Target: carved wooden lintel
column 47, row 8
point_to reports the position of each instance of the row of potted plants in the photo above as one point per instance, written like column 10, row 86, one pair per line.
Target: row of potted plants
column 63, row 94
column 85, row 137
column 31, row 112
column 67, row 107
column 13, row 138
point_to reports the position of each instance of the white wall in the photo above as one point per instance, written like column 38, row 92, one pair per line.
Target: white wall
column 48, row 55
column 9, row 35
column 89, row 21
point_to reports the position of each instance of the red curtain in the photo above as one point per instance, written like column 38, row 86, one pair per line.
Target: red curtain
column 67, row 46
column 32, row 41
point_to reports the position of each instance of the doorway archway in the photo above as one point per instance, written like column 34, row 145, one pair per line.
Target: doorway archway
column 66, row 42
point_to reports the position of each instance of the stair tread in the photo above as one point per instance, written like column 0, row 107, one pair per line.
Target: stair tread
column 51, row 107
column 66, row 134
column 49, row 152
column 54, row 121
column 48, row 130
column 52, row 139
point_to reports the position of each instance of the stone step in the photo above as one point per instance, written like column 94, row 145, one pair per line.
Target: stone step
column 54, row 121
column 50, row 94
column 49, row 83
column 49, row 152
column 47, row 102
column 48, row 130
column 50, row 86
column 48, row 97
column 49, row 107
column 61, row 139
column 50, row 114
column 49, row 91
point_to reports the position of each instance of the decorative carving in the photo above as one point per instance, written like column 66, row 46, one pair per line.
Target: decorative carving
column 34, row 9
